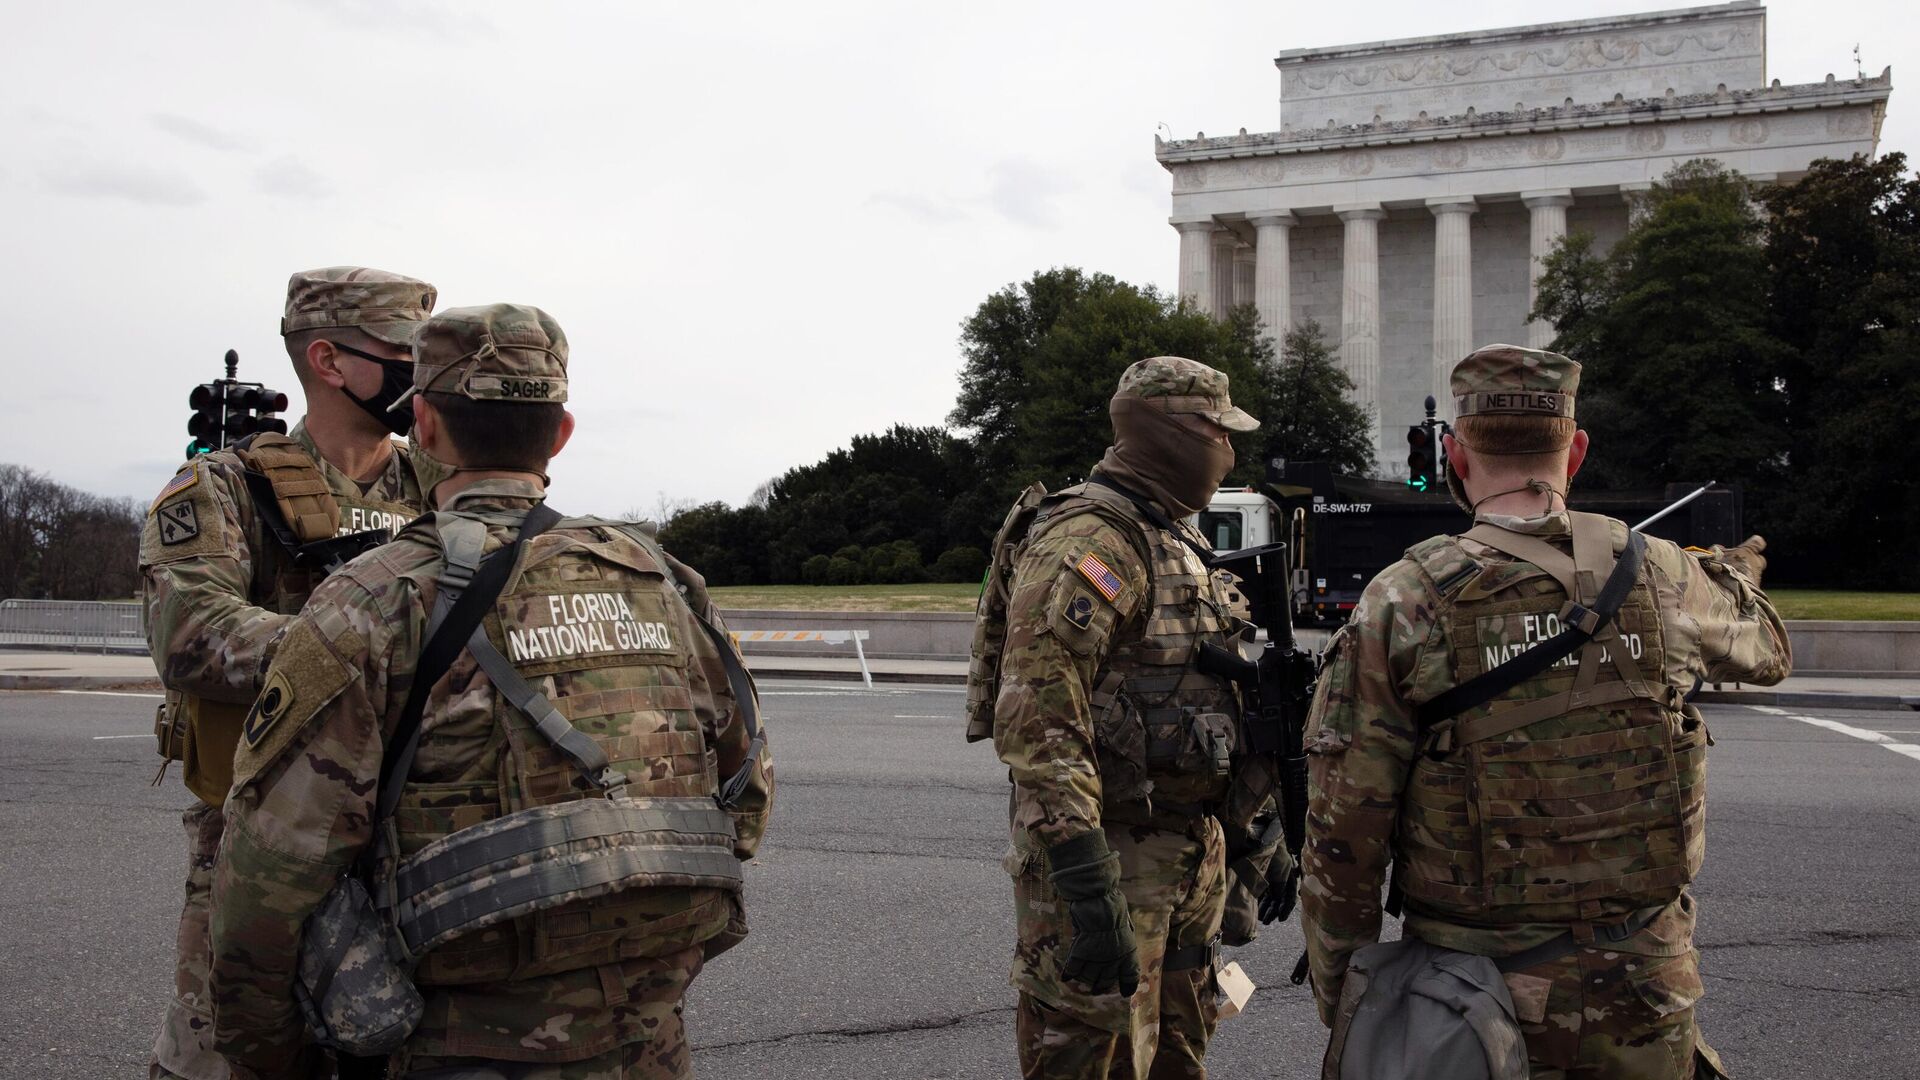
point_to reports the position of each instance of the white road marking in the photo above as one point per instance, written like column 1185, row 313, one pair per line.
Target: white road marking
column 919, row 716
column 142, row 735
column 1878, row 738
column 110, row 693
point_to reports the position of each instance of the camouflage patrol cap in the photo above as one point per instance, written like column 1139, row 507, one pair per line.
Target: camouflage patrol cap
column 1514, row 381
column 500, row 352
column 1176, row 384
column 390, row 307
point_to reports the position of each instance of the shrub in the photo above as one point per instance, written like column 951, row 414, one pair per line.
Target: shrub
column 960, row 564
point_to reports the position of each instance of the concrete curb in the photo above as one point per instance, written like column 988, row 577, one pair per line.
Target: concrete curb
column 77, row 682
column 1787, row 699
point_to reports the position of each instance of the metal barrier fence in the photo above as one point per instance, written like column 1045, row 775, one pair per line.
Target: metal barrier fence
column 827, row 637
column 72, row 624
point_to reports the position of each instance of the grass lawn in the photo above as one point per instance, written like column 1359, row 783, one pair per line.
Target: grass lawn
column 943, row 597
column 1835, row 604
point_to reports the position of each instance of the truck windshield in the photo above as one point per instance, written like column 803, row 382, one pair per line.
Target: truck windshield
column 1222, row 528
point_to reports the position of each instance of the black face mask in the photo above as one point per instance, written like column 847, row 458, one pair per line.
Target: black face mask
column 396, row 378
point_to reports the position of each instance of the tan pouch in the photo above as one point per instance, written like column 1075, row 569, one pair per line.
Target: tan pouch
column 170, row 728
column 213, row 730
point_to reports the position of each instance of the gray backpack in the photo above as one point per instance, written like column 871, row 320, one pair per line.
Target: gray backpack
column 1411, row 1010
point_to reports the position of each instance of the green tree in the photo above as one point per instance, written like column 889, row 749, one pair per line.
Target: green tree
column 1843, row 251
column 1043, row 357
column 1681, row 368
column 1305, row 409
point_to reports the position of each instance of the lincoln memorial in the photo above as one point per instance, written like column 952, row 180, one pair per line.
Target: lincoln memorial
column 1414, row 185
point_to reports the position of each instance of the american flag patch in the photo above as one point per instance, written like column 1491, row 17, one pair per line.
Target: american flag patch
column 1100, row 576
column 181, row 481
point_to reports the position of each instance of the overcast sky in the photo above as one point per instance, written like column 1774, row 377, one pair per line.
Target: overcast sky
column 759, row 224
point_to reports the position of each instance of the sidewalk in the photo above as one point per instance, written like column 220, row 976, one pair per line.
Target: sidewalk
column 39, row 670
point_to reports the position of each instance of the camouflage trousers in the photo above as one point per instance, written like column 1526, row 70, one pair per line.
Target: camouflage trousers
column 1175, row 885
column 184, row 1050
column 663, row 1057
column 1602, row 1015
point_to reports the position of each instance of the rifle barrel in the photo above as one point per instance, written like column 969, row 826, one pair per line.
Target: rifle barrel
column 1682, row 501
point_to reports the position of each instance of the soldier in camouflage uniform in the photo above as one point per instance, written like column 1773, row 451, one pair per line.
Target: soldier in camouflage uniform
column 608, row 628
column 221, row 582
column 1570, row 808
column 1118, row 747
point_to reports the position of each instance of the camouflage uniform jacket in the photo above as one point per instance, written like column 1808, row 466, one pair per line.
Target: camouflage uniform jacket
column 1067, row 618
column 1362, row 737
column 218, row 588
column 307, row 773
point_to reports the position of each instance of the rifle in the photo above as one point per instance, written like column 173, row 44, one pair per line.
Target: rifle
column 1275, row 691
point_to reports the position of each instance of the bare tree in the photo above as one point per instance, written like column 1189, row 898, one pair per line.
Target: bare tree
column 59, row 543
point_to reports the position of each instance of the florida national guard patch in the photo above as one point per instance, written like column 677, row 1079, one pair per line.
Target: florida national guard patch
column 178, row 523
column 1100, row 576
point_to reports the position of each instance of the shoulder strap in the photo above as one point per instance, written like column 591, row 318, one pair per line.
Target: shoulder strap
column 1581, row 624
column 468, row 587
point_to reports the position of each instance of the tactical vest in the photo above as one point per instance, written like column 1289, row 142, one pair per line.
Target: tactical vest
column 1578, row 796
column 1164, row 732
column 604, row 635
column 201, row 733
column 311, row 511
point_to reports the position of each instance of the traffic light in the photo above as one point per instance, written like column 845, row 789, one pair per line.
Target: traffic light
column 1420, row 459
column 251, row 410
column 209, row 402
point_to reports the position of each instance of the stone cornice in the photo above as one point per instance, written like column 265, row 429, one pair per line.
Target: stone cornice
column 1613, row 24
column 1471, row 125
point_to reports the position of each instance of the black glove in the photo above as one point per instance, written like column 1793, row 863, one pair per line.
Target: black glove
column 1087, row 876
column 1282, row 892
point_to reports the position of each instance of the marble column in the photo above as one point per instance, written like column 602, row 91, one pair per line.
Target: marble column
column 1360, row 311
column 1549, row 210
column 1224, row 242
column 1452, row 292
column 1196, row 260
column 1242, row 275
column 1272, row 272
column 1634, row 193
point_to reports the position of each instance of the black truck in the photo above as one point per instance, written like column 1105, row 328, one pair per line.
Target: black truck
column 1345, row 529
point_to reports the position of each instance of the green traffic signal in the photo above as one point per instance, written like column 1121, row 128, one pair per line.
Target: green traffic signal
column 1420, row 461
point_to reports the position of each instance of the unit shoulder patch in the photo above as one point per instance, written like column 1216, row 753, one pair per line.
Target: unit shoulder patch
column 1078, row 617
column 178, row 523
column 185, row 519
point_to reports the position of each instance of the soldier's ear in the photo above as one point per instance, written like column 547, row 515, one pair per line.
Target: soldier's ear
column 1456, row 461
column 1576, row 453
column 324, row 361
column 566, row 432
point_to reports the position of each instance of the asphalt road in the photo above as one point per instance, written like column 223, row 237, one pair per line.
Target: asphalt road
column 882, row 921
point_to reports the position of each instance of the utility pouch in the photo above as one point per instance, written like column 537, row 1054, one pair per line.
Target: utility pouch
column 1411, row 1010
column 1190, row 742
column 212, row 733
column 1121, row 733
column 170, row 727
column 357, row 996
